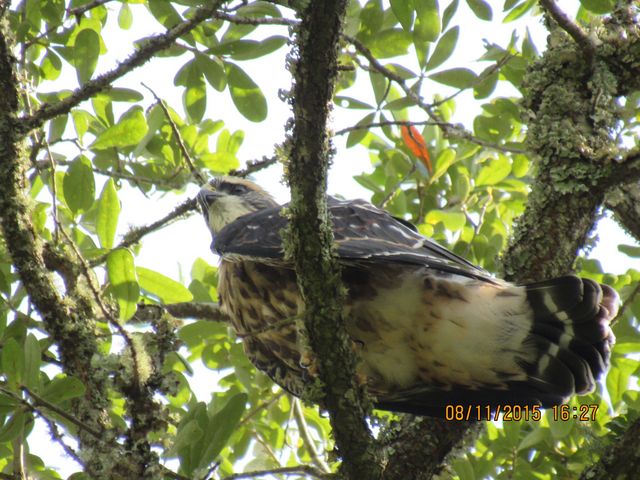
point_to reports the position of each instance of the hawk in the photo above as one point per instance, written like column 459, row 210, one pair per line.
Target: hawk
column 430, row 328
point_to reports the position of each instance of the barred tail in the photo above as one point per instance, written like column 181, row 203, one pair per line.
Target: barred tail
column 571, row 334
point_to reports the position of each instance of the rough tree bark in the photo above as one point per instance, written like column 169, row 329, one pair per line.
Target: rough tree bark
column 310, row 237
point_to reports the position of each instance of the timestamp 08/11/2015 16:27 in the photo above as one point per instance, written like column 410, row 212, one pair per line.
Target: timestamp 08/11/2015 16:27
column 515, row 413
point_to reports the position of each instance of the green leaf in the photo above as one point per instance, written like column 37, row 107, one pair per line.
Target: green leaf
column 125, row 17
column 448, row 14
column 629, row 250
column 452, row 220
column 443, row 161
column 427, row 26
column 520, row 165
column 12, row 361
column 187, row 435
column 444, row 48
column 124, row 284
column 403, row 12
column 14, row 427
column 355, row 136
column 599, row 7
column 57, row 127
column 246, row 95
column 213, row 71
column 167, row 289
column 62, row 388
column 79, row 185
column 486, row 86
column 108, row 213
column 481, row 9
column 561, row 428
column 519, row 11
column 222, row 162
column 51, row 65
column 534, row 437
column 85, row 54
column 130, row 129
column 493, row 173
column 456, row 77
column 164, row 13
column 118, row 94
column 32, row 359
column 195, row 101
column 220, row 428
column 348, row 102
column 618, row 378
column 250, row 49
column 390, row 43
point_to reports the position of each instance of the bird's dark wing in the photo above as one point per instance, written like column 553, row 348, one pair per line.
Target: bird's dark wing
column 361, row 231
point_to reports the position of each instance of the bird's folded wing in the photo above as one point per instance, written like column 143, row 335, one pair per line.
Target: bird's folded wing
column 362, row 232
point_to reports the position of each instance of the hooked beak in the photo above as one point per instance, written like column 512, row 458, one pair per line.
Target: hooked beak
column 207, row 197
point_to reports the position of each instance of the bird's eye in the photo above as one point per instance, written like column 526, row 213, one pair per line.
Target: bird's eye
column 238, row 190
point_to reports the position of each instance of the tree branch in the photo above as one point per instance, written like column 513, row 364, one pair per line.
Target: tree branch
column 70, row 322
column 199, row 310
column 310, row 237
column 299, row 470
column 176, row 133
column 81, row 10
column 421, row 445
column 624, row 202
column 150, row 47
column 448, row 129
column 562, row 19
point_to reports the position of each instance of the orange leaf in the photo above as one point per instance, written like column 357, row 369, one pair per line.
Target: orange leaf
column 415, row 142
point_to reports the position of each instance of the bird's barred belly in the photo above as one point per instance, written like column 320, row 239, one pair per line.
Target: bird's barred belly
column 408, row 330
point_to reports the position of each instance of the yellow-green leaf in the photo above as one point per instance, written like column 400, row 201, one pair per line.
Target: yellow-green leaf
column 108, row 213
column 444, row 48
column 62, row 388
column 79, row 185
column 130, row 129
column 124, row 284
column 167, row 289
column 427, row 25
column 85, row 54
column 246, row 95
column 455, row 77
column 493, row 173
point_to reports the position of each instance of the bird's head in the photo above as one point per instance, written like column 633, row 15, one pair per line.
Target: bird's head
column 225, row 199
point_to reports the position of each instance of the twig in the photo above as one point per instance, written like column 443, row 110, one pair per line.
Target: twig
column 623, row 172
column 18, row 463
column 254, row 166
column 200, row 310
column 261, row 407
column 255, row 21
column 390, row 123
column 76, row 12
column 183, row 148
column 299, row 470
column 57, row 410
column 135, row 234
column 392, row 192
column 449, row 130
column 303, row 429
column 569, row 26
column 44, row 164
column 57, row 436
column 149, row 48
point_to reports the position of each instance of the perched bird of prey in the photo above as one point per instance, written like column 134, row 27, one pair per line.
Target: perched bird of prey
column 431, row 329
